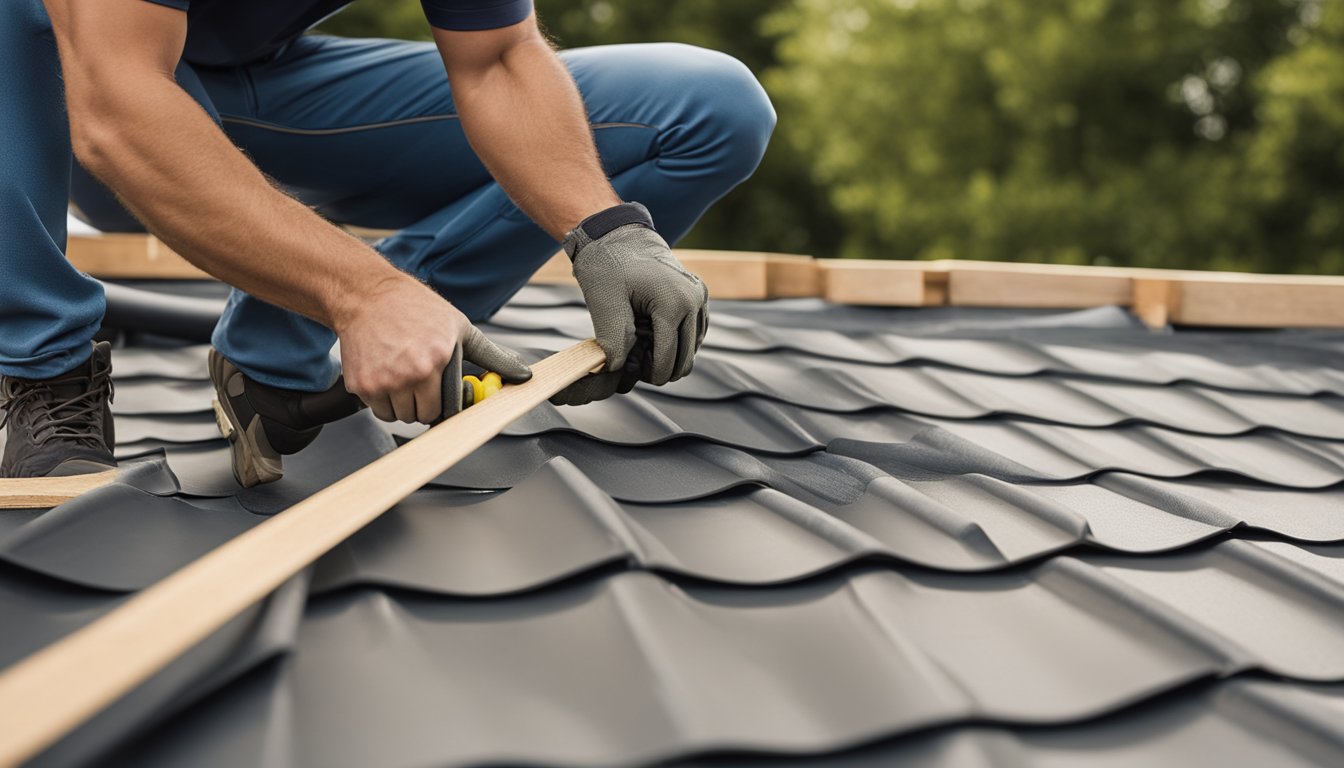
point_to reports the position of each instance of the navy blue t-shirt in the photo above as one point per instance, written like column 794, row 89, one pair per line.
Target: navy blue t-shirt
column 232, row 32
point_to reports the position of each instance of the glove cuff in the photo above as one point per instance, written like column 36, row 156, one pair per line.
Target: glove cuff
column 603, row 223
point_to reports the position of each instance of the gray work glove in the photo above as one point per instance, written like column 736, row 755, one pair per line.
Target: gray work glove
column 641, row 300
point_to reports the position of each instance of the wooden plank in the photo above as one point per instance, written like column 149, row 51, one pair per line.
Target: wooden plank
column 56, row 689
column 129, row 256
column 881, row 283
column 1154, row 299
column 556, row 271
column 1203, row 298
column 1260, row 301
column 789, row 277
column 753, row 275
column 1038, row 286
column 729, row 274
column 43, row 492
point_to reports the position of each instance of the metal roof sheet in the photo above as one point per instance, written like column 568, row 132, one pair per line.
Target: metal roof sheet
column 852, row 537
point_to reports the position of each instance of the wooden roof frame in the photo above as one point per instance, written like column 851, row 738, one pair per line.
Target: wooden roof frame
column 1157, row 296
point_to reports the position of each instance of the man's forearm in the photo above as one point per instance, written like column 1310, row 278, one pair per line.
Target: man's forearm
column 178, row 172
column 525, row 119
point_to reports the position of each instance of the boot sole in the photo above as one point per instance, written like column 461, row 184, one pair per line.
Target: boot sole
column 248, row 448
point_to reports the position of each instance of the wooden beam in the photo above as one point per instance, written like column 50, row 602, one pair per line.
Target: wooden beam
column 128, row 256
column 1035, row 286
column 1154, row 300
column 1201, row 298
column 789, row 277
column 882, row 283
column 728, row 274
column 43, row 492
column 1256, row 301
column 48, row 694
column 556, row 271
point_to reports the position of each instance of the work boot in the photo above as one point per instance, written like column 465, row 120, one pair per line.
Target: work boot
column 264, row 423
column 60, row 426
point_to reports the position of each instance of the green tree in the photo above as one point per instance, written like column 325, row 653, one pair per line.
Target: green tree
column 1184, row 133
column 1107, row 131
column 1295, row 160
column 781, row 208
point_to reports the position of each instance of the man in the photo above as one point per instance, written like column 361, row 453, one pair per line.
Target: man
column 481, row 172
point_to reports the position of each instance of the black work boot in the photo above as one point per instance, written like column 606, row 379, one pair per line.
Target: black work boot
column 264, row 423
column 60, row 426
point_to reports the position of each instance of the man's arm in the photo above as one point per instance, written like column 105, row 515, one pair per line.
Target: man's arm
column 525, row 118
column 142, row 135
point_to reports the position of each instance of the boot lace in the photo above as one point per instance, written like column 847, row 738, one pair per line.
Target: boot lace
column 78, row 418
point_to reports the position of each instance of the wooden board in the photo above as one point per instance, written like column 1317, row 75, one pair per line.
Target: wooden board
column 1034, row 286
column 1258, row 301
column 728, row 274
column 882, row 283
column 557, row 271
column 56, row 689
column 127, row 256
column 789, row 277
column 43, row 492
column 1194, row 298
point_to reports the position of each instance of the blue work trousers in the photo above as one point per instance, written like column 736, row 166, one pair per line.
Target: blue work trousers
column 364, row 131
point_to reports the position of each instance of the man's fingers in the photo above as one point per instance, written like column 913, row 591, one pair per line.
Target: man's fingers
column 665, row 355
column 598, row 386
column 686, row 347
column 403, row 405
column 381, row 406
column 429, row 399
column 703, row 328
column 614, row 327
column 479, row 349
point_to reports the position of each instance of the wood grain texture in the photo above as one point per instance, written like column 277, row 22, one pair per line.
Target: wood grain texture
column 1204, row 298
column 43, row 492
column 791, row 277
column 879, row 283
column 1035, row 286
column 1154, row 300
column 728, row 274
column 128, row 256
column 1259, row 301
column 556, row 271
column 56, row 689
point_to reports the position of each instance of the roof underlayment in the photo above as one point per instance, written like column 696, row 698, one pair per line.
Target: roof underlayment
column 852, row 536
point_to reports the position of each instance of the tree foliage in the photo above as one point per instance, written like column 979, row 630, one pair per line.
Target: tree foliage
column 1193, row 133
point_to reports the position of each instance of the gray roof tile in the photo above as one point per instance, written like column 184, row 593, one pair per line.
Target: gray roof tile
column 853, row 537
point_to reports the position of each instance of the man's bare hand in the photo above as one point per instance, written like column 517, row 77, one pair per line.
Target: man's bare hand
column 396, row 343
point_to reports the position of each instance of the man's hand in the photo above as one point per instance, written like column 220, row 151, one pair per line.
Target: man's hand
column 629, row 277
column 396, row 342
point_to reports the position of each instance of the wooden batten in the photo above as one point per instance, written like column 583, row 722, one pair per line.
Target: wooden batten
column 129, row 256
column 728, row 274
column 1155, row 300
column 1035, row 286
column 1241, row 300
column 44, row 492
column 556, row 271
column 1159, row 297
column 881, row 283
column 792, row 277
column 59, row 687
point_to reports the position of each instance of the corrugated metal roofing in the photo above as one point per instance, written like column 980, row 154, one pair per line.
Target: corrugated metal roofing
column 852, row 537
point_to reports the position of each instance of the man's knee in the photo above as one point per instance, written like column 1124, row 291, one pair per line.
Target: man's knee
column 735, row 110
